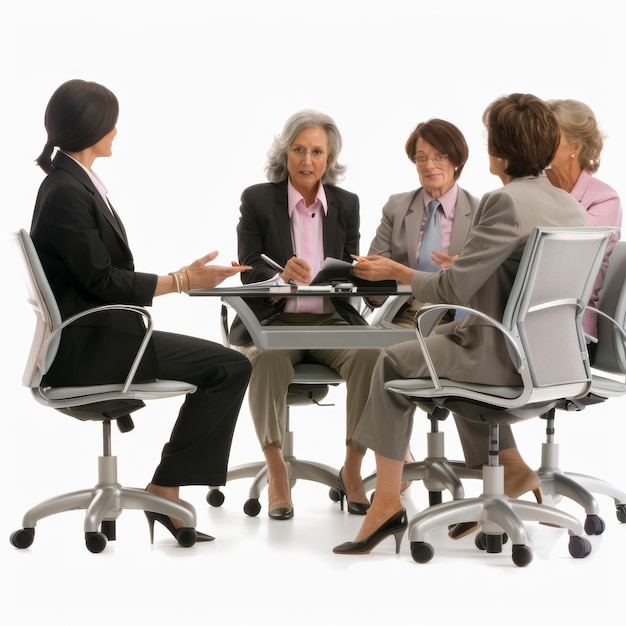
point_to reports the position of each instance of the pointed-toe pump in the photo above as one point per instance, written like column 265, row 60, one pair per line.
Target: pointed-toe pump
column 281, row 513
column 356, row 508
column 396, row 525
column 184, row 536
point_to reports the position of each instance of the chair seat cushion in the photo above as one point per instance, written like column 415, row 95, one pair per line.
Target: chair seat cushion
column 423, row 388
column 158, row 387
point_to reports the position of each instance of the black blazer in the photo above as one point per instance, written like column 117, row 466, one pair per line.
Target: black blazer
column 264, row 227
column 85, row 254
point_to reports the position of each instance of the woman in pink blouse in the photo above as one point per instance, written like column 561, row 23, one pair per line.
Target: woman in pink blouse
column 576, row 161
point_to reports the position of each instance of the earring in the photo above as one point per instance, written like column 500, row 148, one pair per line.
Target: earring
column 572, row 155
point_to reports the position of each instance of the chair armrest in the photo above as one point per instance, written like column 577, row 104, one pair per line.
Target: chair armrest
column 427, row 318
column 384, row 314
column 111, row 307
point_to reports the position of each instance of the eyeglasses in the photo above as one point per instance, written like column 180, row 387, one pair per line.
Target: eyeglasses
column 421, row 159
column 316, row 154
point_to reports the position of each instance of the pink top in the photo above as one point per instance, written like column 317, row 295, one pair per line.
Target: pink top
column 603, row 208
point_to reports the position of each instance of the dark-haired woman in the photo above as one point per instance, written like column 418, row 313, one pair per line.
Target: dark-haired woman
column 86, row 256
column 523, row 136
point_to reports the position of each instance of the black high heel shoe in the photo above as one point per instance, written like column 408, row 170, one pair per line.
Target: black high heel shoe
column 395, row 525
column 356, row 508
column 185, row 536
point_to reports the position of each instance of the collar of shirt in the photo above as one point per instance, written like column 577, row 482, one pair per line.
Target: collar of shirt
column 95, row 179
column 294, row 196
column 447, row 201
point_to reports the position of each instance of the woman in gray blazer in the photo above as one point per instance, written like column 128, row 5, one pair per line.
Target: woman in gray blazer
column 523, row 136
column 439, row 151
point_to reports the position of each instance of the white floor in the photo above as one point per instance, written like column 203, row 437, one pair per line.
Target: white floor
column 263, row 571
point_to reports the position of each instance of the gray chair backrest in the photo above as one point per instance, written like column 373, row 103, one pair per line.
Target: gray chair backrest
column 552, row 286
column 611, row 349
column 44, row 304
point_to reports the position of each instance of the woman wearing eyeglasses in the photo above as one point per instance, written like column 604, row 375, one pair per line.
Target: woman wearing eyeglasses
column 298, row 219
column 439, row 151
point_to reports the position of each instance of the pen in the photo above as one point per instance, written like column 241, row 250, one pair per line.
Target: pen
column 358, row 259
column 272, row 263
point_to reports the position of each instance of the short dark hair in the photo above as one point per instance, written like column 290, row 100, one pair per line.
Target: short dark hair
column 522, row 129
column 78, row 115
column 444, row 136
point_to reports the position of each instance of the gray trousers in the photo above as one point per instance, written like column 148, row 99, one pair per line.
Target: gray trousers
column 272, row 372
column 387, row 420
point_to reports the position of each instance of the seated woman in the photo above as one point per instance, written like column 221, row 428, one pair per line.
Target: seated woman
column 298, row 219
column 86, row 256
column 523, row 136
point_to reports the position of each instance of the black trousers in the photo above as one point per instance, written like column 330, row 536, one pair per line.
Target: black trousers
column 199, row 447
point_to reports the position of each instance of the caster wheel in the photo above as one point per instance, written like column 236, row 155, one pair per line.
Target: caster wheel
column 621, row 512
column 579, row 547
column 494, row 544
column 252, row 507
column 490, row 543
column 481, row 541
column 95, row 542
column 334, row 494
column 186, row 536
column 594, row 525
column 22, row 538
column 107, row 528
column 435, row 497
column 215, row 497
column 521, row 555
column 421, row 551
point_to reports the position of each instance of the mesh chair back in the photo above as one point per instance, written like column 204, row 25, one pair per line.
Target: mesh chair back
column 44, row 304
column 552, row 286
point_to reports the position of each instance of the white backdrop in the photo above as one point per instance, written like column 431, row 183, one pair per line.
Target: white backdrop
column 205, row 85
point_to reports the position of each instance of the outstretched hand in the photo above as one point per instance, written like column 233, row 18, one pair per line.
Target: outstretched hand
column 443, row 260
column 204, row 276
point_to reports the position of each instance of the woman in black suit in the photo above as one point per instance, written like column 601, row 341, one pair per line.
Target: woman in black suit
column 299, row 218
column 85, row 253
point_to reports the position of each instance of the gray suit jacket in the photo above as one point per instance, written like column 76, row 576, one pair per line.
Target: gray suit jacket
column 469, row 349
column 397, row 235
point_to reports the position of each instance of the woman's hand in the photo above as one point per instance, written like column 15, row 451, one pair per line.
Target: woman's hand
column 444, row 261
column 298, row 271
column 381, row 268
column 201, row 275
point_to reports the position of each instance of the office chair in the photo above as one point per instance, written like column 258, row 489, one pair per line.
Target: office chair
column 104, row 502
column 542, row 327
column 608, row 381
column 309, row 387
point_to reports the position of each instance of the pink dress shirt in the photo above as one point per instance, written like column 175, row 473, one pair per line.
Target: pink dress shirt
column 603, row 208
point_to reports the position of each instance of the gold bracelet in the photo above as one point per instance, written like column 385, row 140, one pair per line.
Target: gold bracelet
column 188, row 280
column 177, row 281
